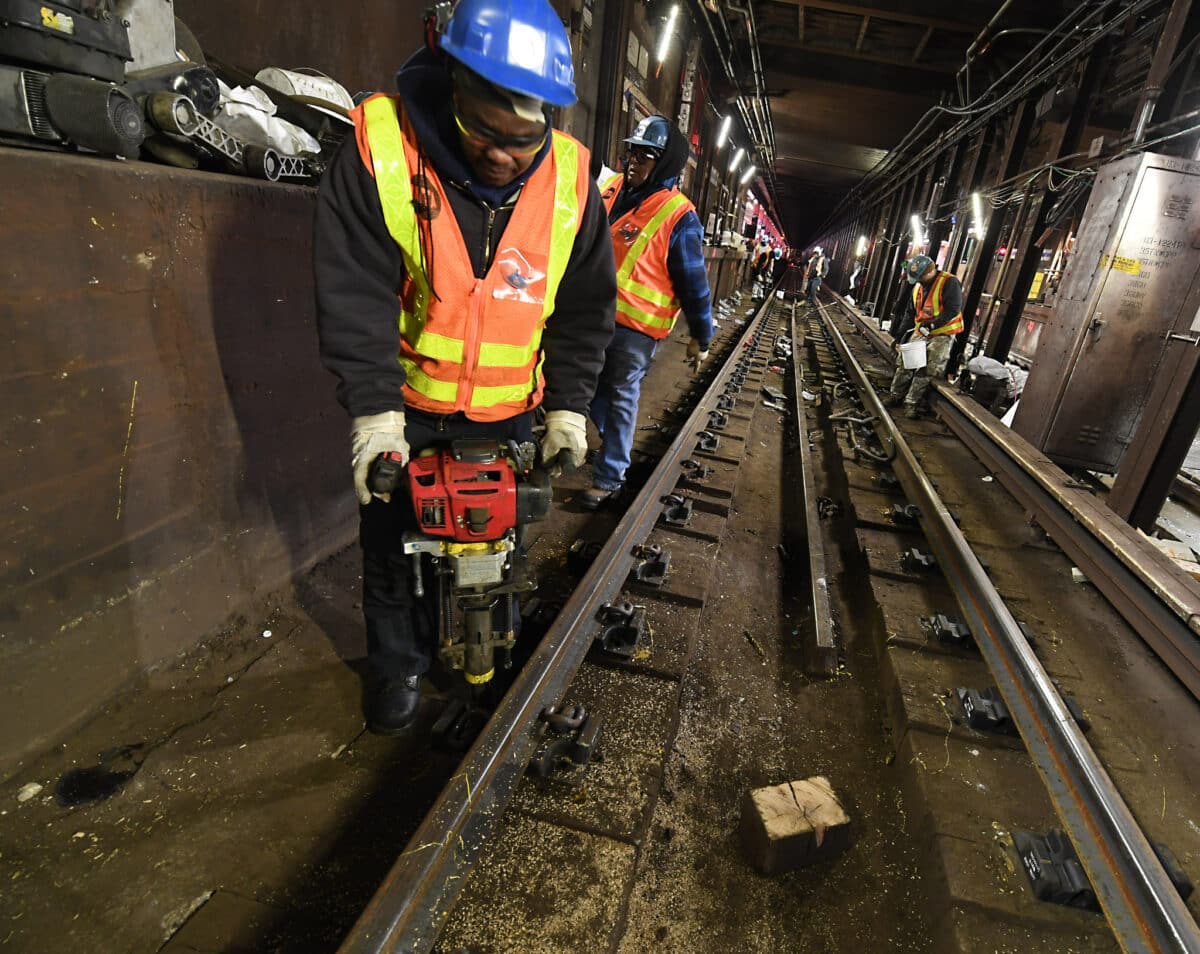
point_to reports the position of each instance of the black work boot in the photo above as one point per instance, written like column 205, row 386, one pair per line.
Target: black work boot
column 393, row 705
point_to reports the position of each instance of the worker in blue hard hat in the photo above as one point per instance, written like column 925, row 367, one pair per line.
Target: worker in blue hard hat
column 464, row 277
column 935, row 311
column 658, row 247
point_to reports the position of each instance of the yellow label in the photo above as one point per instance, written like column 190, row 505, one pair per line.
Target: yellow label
column 1130, row 266
column 1037, row 285
column 57, row 21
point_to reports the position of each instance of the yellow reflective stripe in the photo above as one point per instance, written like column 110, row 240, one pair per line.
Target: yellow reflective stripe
column 652, row 296
column 640, row 243
column 504, row 355
column 395, row 191
column 438, row 347
column 431, row 388
column 564, row 224
column 654, row 321
column 500, row 394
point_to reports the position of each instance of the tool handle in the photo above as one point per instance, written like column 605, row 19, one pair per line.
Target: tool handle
column 387, row 473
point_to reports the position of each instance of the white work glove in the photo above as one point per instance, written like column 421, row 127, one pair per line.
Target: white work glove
column 695, row 357
column 565, row 431
column 371, row 436
column 923, row 331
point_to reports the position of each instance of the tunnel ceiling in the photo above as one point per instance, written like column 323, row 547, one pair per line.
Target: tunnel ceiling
column 847, row 80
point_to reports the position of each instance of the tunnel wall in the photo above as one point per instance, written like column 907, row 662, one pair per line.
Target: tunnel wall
column 135, row 524
column 172, row 447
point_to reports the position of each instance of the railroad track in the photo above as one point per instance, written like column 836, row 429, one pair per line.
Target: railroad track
column 410, row 907
column 1142, row 906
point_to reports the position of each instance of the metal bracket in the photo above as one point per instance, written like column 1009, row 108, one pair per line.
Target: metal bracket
column 718, row 420
column 917, row 561
column 581, row 554
column 677, row 510
column 458, row 725
column 623, row 629
column 906, row 515
column 985, row 711
column 726, row 402
column 707, row 441
column 570, row 739
column 694, row 470
column 949, row 630
column 655, row 565
column 1056, row 875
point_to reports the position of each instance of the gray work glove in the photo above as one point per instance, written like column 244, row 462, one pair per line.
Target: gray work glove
column 371, row 436
column 565, row 431
column 695, row 355
column 923, row 331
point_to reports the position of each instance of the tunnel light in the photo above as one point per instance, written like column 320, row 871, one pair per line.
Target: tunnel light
column 747, row 175
column 724, row 133
column 977, row 209
column 917, row 231
column 861, row 249
column 737, row 159
column 664, row 41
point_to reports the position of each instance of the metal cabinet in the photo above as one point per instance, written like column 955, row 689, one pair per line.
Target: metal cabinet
column 1129, row 286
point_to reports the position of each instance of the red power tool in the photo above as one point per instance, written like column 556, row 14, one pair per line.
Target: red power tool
column 472, row 500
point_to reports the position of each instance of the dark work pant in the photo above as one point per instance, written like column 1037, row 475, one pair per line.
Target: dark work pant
column 401, row 629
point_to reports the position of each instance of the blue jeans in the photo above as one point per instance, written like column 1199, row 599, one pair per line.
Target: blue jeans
column 614, row 408
column 814, row 286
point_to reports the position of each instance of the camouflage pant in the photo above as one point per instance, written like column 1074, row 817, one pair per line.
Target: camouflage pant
column 912, row 386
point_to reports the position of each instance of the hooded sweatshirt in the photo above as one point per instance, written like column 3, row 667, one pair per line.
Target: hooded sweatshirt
column 359, row 270
column 685, row 255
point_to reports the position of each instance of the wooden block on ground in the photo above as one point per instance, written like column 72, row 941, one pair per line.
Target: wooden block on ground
column 793, row 824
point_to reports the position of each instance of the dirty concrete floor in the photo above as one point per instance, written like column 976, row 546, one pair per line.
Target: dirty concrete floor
column 743, row 714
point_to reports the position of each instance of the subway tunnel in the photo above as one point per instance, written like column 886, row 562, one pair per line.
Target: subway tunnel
column 885, row 635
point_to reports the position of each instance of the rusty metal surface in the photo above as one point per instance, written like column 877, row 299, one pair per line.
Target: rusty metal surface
column 1123, row 291
column 361, row 47
column 1141, row 904
column 172, row 445
column 821, row 652
column 1160, row 601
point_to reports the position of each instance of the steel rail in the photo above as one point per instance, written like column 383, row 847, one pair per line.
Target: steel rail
column 1143, row 907
column 821, row 653
column 410, row 907
column 1154, row 596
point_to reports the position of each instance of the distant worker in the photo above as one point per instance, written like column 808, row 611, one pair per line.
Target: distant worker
column 814, row 273
column 936, row 313
column 657, row 244
column 758, row 263
column 464, row 276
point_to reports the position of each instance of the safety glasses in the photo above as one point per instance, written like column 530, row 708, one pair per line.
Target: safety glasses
column 516, row 146
column 641, row 155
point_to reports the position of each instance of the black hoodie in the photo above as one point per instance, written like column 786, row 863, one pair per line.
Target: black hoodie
column 359, row 270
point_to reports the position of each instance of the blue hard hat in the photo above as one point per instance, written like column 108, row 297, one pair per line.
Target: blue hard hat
column 652, row 133
column 915, row 267
column 518, row 45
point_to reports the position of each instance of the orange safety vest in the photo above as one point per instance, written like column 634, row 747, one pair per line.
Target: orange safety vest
column 929, row 309
column 476, row 346
column 641, row 239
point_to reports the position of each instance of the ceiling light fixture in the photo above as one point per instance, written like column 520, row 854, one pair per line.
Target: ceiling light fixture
column 724, row 133
column 664, row 41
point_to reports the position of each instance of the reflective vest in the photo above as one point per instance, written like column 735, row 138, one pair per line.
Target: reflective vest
column 929, row 309
column 476, row 346
column 641, row 239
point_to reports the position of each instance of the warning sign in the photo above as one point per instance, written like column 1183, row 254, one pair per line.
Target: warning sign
column 1130, row 266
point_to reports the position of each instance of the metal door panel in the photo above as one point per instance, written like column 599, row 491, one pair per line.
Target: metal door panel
column 1143, row 286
